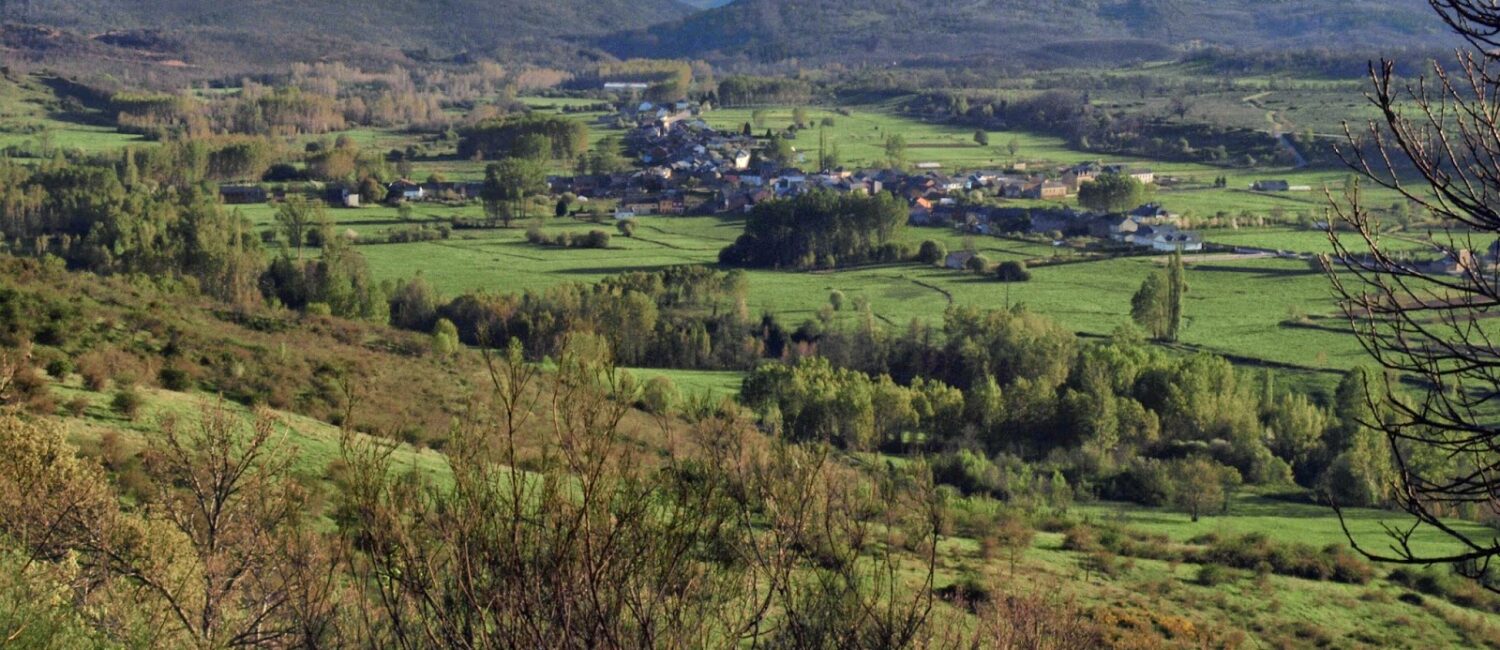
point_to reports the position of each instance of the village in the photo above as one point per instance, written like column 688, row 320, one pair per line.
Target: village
column 683, row 166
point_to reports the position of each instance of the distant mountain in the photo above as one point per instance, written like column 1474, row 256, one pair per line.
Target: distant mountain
column 1033, row 32
column 280, row 30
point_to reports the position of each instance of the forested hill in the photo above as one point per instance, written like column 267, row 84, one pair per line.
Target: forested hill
column 272, row 31
column 1031, row 32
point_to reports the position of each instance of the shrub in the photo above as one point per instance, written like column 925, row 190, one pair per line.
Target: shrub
column 971, row 473
column 128, row 402
column 174, row 379
column 59, row 367
column 931, row 252
column 626, row 227
column 978, row 264
column 78, row 406
column 596, row 239
column 95, row 374
column 659, row 395
column 1213, row 575
column 1081, row 538
column 1012, row 271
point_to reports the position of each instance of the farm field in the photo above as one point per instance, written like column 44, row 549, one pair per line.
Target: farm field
column 1235, row 307
column 1308, row 241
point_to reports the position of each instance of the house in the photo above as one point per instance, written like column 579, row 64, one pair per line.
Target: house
column 622, row 213
column 921, row 213
column 243, row 194
column 671, row 205
column 625, row 85
column 1152, row 211
column 1045, row 190
column 1166, row 239
column 1077, row 175
column 1144, row 175
column 1045, row 221
column 405, row 190
column 1271, row 186
column 341, row 197
column 741, row 160
column 958, row 260
column 1118, row 227
column 640, row 206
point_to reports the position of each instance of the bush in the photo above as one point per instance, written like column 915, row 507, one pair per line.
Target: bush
column 659, row 395
column 60, row 367
column 128, row 402
column 626, row 227
column 1252, row 551
column 971, row 473
column 174, row 379
column 1012, row 271
column 1081, row 538
column 932, row 252
column 1213, row 575
column 978, row 264
column 95, row 374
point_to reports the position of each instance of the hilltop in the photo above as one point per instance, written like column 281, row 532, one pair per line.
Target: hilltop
column 1032, row 33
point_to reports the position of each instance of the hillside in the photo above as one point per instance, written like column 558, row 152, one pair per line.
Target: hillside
column 282, row 31
column 1034, row 33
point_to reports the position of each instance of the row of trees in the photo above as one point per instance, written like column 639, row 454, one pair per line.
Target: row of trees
column 1011, row 383
column 149, row 212
column 819, row 229
column 525, row 136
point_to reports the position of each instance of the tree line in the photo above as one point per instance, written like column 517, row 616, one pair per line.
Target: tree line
column 820, row 229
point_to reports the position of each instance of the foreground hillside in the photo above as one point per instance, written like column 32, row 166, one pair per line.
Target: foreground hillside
column 1267, row 571
column 1034, row 33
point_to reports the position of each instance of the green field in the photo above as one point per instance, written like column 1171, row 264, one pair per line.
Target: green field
column 1235, row 306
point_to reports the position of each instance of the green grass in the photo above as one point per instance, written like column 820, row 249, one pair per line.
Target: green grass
column 314, row 445
column 716, row 383
column 1307, row 241
column 1283, row 520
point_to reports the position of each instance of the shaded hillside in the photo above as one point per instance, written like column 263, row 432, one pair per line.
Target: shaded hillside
column 1032, row 33
column 280, row 31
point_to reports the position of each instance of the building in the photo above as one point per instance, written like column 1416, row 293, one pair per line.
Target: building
column 405, row 190
column 1271, row 186
column 243, row 194
column 958, row 260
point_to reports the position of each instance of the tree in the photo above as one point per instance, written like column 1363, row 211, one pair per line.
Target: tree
column 508, row 184
column 626, row 227
column 1199, row 483
column 1111, row 193
column 1176, row 290
column 780, row 151
column 1148, row 307
column 1013, row 147
column 1012, row 271
column 932, row 252
column 371, row 191
column 297, row 217
column 982, row 138
column 978, row 264
column 1157, row 306
column 1433, row 143
column 1013, row 535
column 895, row 150
column 445, row 338
column 799, row 117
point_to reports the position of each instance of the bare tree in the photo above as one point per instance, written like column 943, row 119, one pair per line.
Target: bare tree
column 1437, row 143
column 223, row 549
